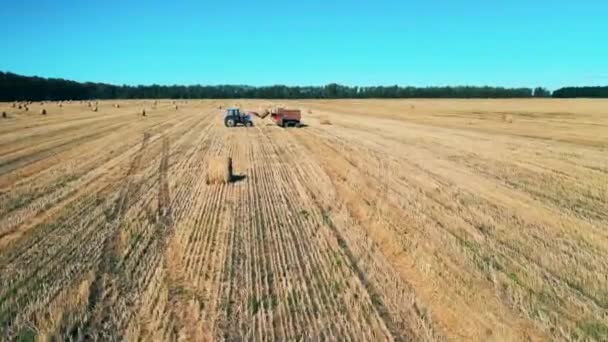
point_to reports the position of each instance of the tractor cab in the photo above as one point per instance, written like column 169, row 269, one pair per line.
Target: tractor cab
column 234, row 116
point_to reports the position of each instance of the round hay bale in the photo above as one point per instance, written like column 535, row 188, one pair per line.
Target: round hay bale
column 324, row 120
column 89, row 104
column 14, row 105
column 4, row 115
column 219, row 171
column 176, row 108
column 26, row 109
column 19, row 107
column 60, row 105
column 95, row 109
column 143, row 112
column 43, row 111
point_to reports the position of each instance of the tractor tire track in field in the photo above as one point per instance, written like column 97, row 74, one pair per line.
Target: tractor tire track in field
column 105, row 285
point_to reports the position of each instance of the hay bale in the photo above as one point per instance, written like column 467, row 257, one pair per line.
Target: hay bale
column 219, row 171
column 19, row 107
column 4, row 115
column 26, row 108
column 324, row 120
column 176, row 107
column 89, row 104
column 43, row 111
column 14, row 105
column 143, row 112
column 507, row 118
column 95, row 109
column 116, row 105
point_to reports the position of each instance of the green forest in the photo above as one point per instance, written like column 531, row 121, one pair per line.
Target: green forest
column 15, row 87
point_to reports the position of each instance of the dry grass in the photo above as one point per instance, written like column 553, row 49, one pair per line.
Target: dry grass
column 439, row 223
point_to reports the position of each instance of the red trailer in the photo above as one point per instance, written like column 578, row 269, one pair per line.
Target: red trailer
column 286, row 117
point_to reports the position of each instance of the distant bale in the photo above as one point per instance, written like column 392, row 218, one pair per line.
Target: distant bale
column 19, row 107
column 324, row 120
column 176, row 108
column 143, row 112
column 43, row 111
column 4, row 115
column 89, row 104
column 116, row 105
column 95, row 109
column 219, row 171
column 60, row 104
column 26, row 108
column 14, row 105
column 507, row 118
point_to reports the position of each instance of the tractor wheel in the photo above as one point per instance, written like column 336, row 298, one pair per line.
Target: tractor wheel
column 230, row 123
column 249, row 124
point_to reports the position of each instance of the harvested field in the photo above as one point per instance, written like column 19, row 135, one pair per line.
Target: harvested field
column 403, row 220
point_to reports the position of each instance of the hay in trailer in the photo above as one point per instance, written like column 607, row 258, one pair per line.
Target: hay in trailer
column 43, row 111
column 219, row 170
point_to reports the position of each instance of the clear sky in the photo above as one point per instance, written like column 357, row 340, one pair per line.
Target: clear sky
column 354, row 42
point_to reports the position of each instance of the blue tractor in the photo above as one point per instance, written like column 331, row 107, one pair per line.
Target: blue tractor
column 234, row 116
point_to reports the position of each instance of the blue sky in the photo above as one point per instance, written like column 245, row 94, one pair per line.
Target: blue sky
column 357, row 42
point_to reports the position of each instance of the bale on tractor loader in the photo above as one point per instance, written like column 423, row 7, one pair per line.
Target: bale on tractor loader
column 282, row 116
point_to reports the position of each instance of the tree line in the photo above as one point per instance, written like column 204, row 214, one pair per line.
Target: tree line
column 571, row 92
column 15, row 87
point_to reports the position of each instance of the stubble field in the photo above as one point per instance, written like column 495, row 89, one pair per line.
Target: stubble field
column 379, row 220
